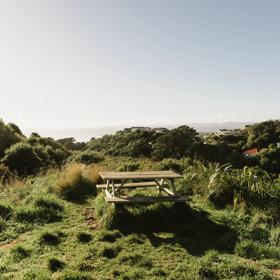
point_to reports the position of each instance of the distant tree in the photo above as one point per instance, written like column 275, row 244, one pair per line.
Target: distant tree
column 8, row 137
column 270, row 159
column 71, row 144
column 263, row 134
column 179, row 142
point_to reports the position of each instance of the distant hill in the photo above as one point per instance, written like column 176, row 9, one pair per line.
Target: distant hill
column 85, row 134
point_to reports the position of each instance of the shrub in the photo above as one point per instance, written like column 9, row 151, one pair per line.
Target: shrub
column 84, row 237
column 129, row 166
column 275, row 236
column 6, row 211
column 19, row 253
column 54, row 264
column 172, row 164
column 8, row 137
column 87, row 157
column 22, row 159
column 75, row 184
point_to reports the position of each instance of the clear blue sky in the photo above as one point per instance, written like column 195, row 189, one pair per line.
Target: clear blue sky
column 66, row 64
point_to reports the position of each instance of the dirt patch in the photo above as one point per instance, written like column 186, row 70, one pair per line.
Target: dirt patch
column 90, row 218
column 22, row 237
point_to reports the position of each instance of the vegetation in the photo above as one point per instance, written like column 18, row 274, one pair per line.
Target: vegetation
column 54, row 224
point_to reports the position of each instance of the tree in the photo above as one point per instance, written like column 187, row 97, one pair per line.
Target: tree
column 263, row 134
column 176, row 143
column 8, row 137
column 22, row 159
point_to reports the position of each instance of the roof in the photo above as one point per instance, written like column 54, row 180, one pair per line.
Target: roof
column 251, row 152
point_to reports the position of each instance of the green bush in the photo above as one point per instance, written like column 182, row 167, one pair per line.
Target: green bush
column 275, row 236
column 8, row 137
column 22, row 159
column 87, row 157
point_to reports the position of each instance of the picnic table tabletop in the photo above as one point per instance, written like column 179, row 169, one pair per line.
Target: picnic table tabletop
column 139, row 175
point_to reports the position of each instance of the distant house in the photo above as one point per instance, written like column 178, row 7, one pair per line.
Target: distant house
column 160, row 129
column 142, row 128
column 232, row 132
column 251, row 152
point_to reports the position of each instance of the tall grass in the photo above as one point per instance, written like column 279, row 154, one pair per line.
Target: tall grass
column 76, row 182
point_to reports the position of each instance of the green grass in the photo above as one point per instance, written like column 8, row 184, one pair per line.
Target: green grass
column 45, row 236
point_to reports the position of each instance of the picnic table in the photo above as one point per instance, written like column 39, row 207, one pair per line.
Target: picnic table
column 163, row 181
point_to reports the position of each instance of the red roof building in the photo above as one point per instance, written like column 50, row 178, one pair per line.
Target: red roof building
column 251, row 152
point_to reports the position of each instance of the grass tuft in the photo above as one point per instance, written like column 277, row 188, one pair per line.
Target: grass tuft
column 54, row 264
column 6, row 211
column 84, row 237
column 19, row 253
column 76, row 183
column 50, row 238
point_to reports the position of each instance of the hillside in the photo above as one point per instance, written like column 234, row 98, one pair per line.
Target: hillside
column 44, row 235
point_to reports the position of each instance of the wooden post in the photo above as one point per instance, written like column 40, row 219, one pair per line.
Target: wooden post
column 113, row 188
column 173, row 186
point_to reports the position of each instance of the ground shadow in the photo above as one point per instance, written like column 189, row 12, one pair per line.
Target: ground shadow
column 193, row 229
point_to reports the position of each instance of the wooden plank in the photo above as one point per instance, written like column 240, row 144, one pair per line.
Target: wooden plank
column 168, row 191
column 139, row 175
column 146, row 199
column 107, row 193
column 131, row 185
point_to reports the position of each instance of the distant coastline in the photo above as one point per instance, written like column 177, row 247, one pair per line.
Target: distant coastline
column 85, row 134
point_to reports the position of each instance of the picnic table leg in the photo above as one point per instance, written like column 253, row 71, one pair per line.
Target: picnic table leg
column 107, row 184
column 159, row 185
column 113, row 188
column 173, row 186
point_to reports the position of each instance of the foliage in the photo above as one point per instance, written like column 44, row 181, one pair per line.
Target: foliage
column 76, row 183
column 176, row 143
column 71, row 144
column 8, row 137
column 263, row 134
column 22, row 159
column 86, row 157
column 228, row 186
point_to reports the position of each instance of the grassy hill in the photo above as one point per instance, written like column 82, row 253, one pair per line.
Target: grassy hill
column 48, row 234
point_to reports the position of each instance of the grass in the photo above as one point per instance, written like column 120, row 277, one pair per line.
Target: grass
column 76, row 183
column 46, row 236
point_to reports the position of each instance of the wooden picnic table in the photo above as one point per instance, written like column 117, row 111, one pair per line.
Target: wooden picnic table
column 161, row 180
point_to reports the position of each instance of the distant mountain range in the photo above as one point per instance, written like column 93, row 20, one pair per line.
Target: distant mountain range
column 85, row 134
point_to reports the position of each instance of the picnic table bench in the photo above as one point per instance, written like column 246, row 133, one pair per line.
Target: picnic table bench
column 161, row 180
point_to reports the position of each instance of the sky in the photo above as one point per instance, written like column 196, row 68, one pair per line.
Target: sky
column 88, row 63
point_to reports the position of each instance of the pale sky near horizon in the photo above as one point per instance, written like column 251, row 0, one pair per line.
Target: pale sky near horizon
column 69, row 64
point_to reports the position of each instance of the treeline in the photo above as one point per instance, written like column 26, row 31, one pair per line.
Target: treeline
column 23, row 155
